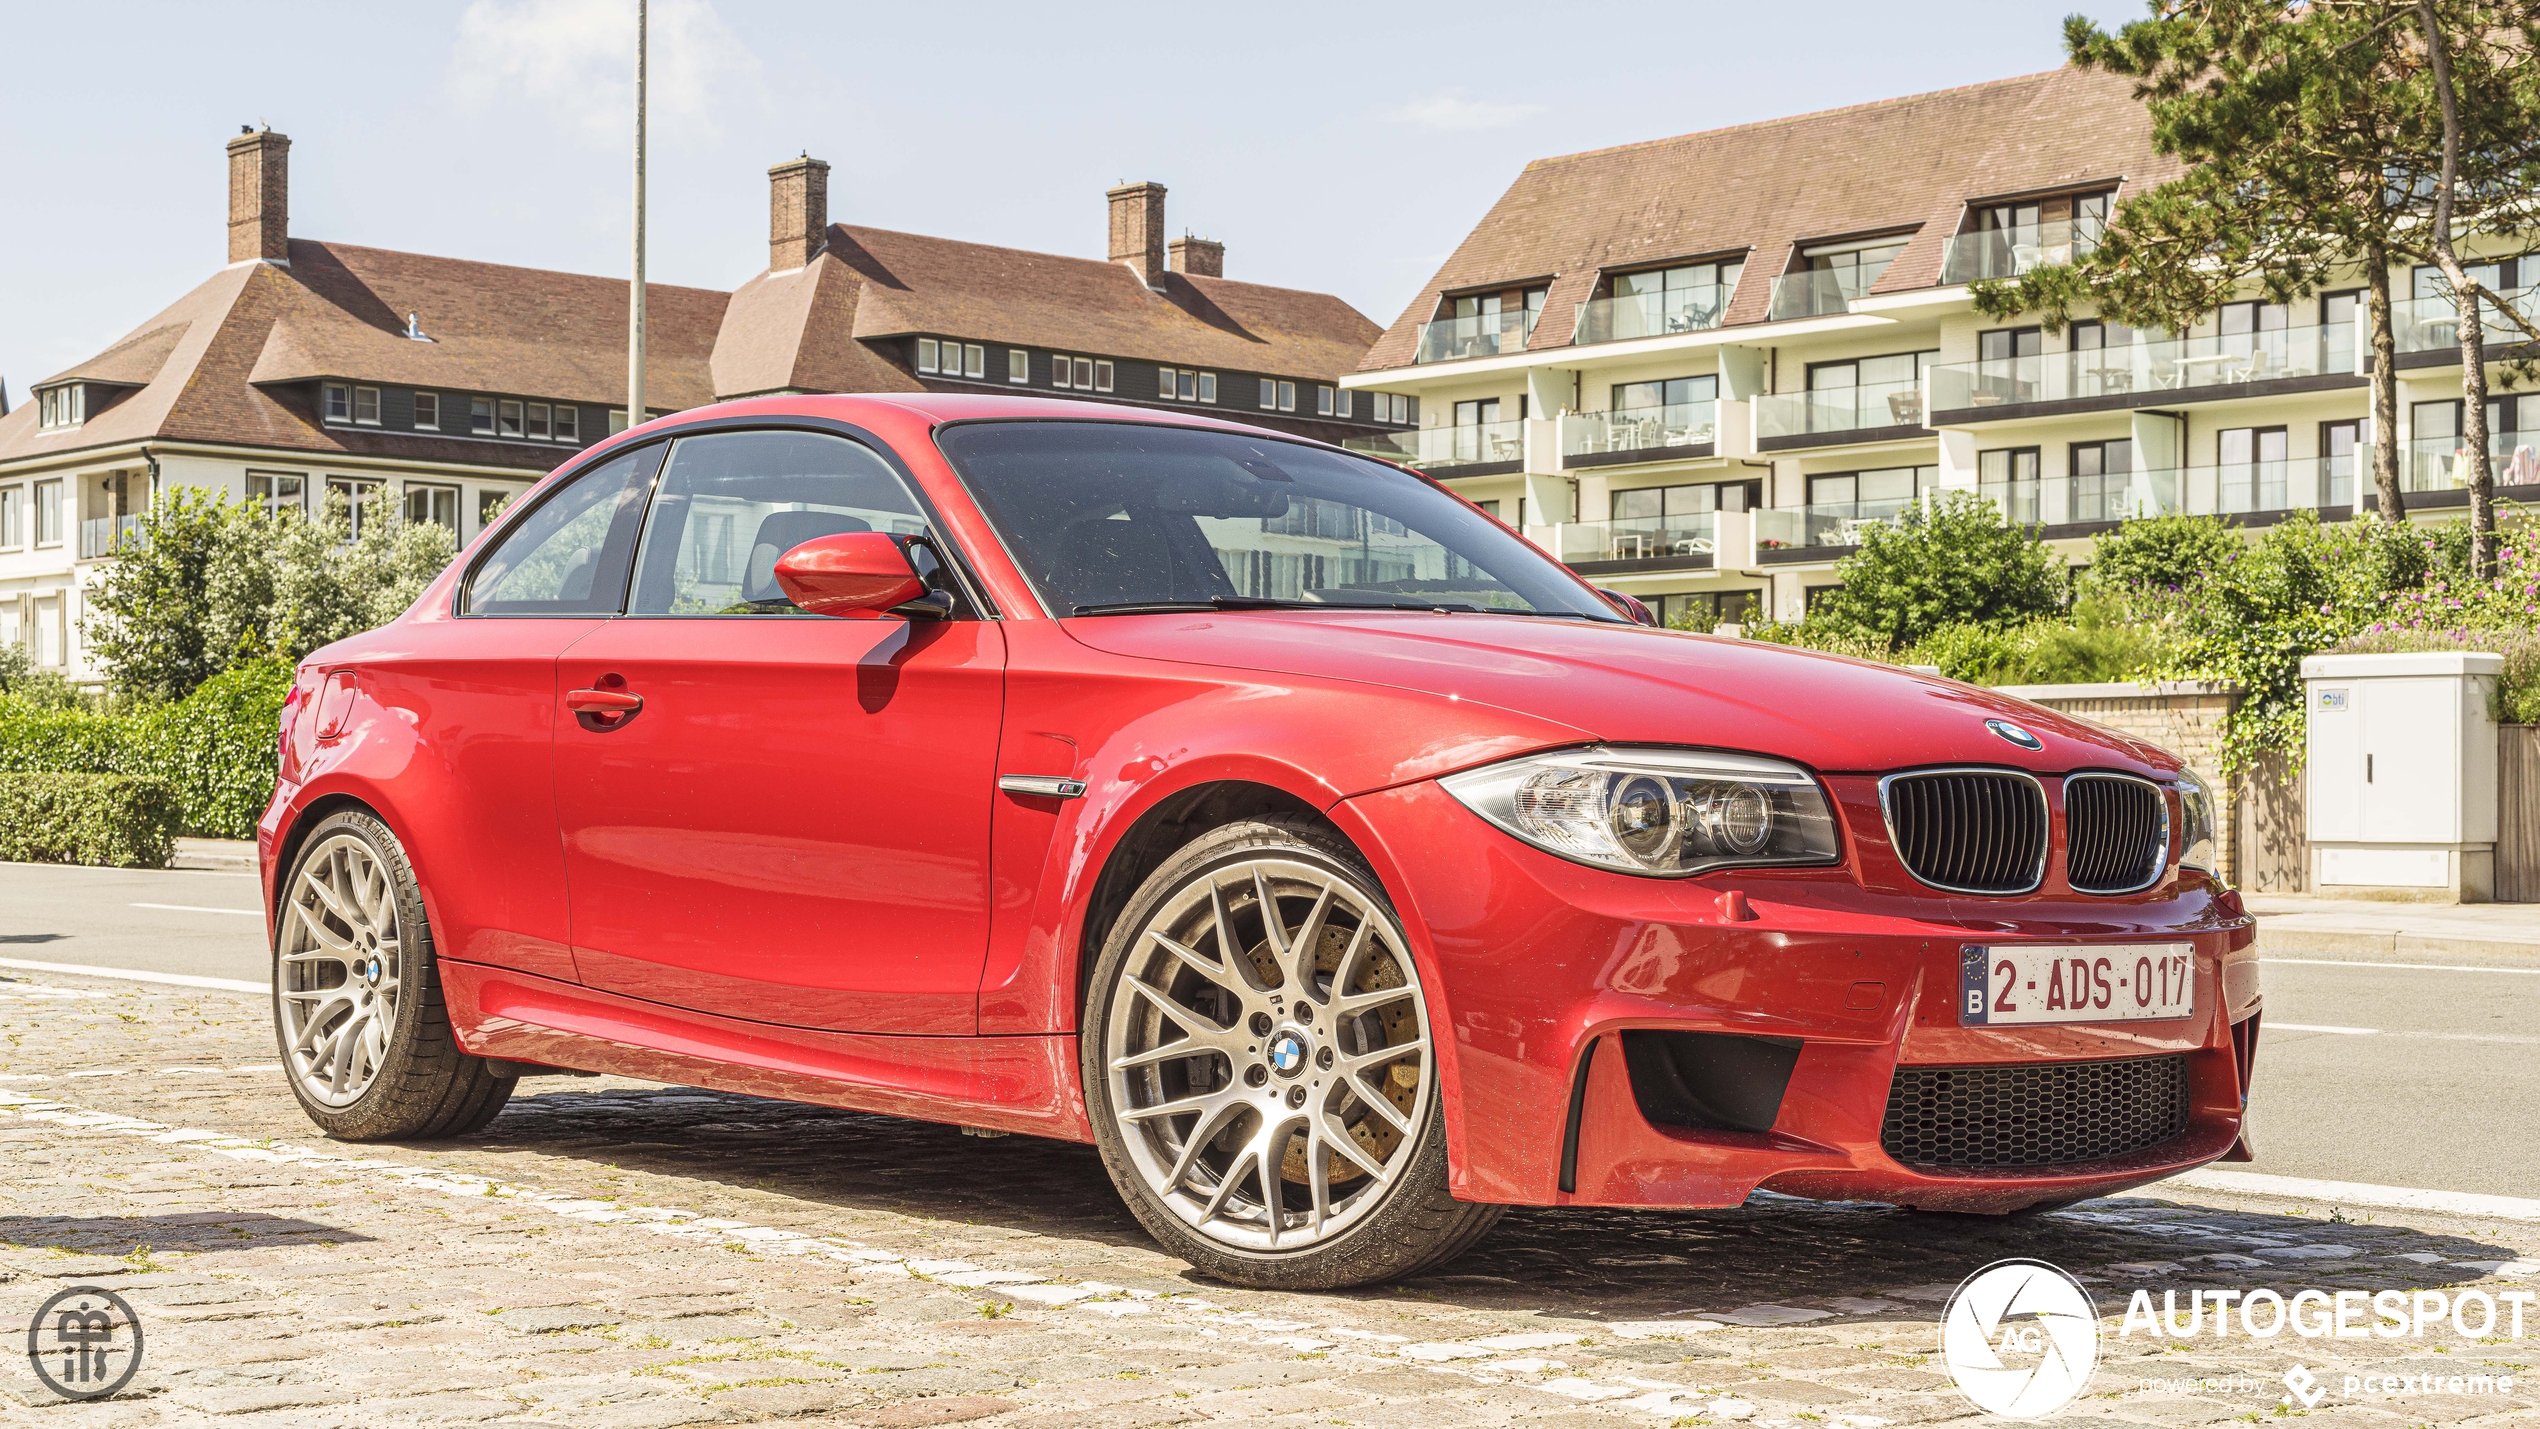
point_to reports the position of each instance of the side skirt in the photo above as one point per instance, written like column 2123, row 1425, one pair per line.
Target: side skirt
column 1020, row 1084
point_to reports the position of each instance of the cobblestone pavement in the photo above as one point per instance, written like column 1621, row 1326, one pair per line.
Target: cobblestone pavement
column 620, row 1254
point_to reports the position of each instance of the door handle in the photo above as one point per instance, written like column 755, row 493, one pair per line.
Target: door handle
column 602, row 709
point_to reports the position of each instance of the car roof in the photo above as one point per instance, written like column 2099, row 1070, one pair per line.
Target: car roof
column 962, row 407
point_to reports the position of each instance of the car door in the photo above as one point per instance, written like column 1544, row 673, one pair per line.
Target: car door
column 481, row 691
column 793, row 827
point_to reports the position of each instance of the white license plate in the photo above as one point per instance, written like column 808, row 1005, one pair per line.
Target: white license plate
column 2032, row 984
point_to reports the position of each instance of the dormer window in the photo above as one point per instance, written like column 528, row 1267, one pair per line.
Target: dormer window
column 2006, row 239
column 62, row 406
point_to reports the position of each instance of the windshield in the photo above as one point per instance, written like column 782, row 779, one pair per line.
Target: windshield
column 1117, row 516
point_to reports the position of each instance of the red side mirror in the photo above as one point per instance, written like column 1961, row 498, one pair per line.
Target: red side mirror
column 853, row 573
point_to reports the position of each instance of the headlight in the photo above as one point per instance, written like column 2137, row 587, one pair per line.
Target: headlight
column 1661, row 812
column 2196, row 824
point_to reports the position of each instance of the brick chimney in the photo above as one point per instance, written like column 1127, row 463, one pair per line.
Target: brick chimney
column 797, row 213
column 259, row 196
column 1137, row 230
column 1201, row 257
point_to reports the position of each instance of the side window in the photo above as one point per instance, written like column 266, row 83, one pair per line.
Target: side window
column 570, row 556
column 732, row 502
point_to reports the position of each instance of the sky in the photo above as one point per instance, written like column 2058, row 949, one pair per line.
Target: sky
column 1339, row 147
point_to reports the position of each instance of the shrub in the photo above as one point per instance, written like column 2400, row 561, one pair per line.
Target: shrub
column 2517, row 696
column 22, row 681
column 213, row 751
column 110, row 819
column 1952, row 562
column 2160, row 552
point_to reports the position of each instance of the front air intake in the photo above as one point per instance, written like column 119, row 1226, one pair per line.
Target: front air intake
column 1968, row 830
column 2116, row 833
column 2034, row 1113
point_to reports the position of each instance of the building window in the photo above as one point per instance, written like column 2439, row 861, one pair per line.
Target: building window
column 538, row 413
column 1344, row 400
column 438, row 505
column 2251, row 467
column 1839, row 504
column 48, row 513
column 1062, row 371
column 2337, row 331
column 507, row 418
column 276, row 491
column 357, row 492
column 568, row 423
column 1323, row 401
column 928, row 358
column 1085, row 373
column 12, row 517
column 1707, row 609
column 2102, row 473
column 2339, row 442
column 1287, row 396
column 1269, row 395
column 1208, row 387
column 366, row 406
column 339, row 402
column 1102, row 376
column 428, row 411
column 974, row 361
column 480, row 416
column 62, row 407
column 1018, row 365
column 951, row 359
column 491, row 503
column 1181, row 384
column 2008, row 478
column 617, row 420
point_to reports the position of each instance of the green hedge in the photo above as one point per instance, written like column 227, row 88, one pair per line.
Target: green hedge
column 111, row 819
column 214, row 749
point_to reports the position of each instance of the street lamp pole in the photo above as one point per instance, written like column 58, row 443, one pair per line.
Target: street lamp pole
column 635, row 290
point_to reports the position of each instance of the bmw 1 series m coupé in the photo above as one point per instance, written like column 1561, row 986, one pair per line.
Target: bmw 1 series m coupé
column 1271, row 818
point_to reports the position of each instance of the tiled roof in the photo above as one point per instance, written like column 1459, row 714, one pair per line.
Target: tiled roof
column 221, row 364
column 915, row 284
column 1759, row 190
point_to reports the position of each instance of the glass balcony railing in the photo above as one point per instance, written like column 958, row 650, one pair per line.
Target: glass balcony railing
column 1652, row 314
column 1433, row 448
column 1833, row 523
column 2235, row 489
column 2443, row 464
column 101, row 535
column 1839, row 409
column 2154, row 365
column 1649, row 429
column 1487, row 335
column 1638, row 538
column 2434, row 324
column 1817, row 293
column 2009, row 252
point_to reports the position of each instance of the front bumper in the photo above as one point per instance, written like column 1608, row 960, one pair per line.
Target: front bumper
column 1538, row 967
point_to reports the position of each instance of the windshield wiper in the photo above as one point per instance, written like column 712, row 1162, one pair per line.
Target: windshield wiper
column 1215, row 602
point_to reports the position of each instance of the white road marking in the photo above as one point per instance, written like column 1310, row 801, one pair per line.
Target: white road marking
column 2350, row 1193
column 225, row 984
column 101, row 868
column 2403, row 967
column 191, row 908
column 2401, row 1032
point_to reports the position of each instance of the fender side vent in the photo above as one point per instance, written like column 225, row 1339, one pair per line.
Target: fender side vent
column 1709, row 1081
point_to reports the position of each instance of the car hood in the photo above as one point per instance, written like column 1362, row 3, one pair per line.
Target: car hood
column 1629, row 684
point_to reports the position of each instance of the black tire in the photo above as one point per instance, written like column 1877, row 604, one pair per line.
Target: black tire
column 1414, row 1228
column 424, row 1087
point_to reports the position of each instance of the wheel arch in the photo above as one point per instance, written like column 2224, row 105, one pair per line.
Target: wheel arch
column 296, row 833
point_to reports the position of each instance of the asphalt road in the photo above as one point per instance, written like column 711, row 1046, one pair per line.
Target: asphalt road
column 2423, row 1075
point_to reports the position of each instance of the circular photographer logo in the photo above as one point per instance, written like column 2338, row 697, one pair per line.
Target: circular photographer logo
column 85, row 1343
column 2020, row 1339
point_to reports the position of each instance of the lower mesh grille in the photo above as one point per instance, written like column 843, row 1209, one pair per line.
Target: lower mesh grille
column 2033, row 1113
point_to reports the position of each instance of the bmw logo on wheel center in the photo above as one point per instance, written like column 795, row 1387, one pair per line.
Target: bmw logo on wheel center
column 2014, row 734
column 1287, row 1053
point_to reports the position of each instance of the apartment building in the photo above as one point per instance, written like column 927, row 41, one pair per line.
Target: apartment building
column 1697, row 369
column 441, row 388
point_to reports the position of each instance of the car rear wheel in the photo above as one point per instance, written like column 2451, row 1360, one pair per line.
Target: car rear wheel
column 1263, row 1071
column 366, row 1042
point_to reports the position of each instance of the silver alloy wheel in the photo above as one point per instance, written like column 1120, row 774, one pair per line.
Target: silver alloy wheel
column 336, row 977
column 1269, row 1054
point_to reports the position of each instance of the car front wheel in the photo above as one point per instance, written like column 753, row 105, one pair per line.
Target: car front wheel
column 1263, row 1071
column 365, row 1039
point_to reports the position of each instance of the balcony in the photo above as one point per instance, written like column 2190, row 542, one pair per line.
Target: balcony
column 2150, row 367
column 1434, row 449
column 1677, row 310
column 1836, row 523
column 101, row 535
column 2442, row 463
column 2434, row 324
column 1638, row 538
column 2009, row 252
column 1658, row 432
column 2240, row 489
column 1839, row 409
column 1486, row 335
column 1816, row 294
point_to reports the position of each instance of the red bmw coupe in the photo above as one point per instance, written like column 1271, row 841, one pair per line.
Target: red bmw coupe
column 1328, row 856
